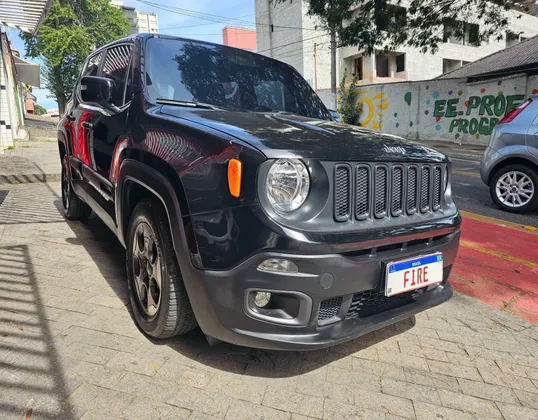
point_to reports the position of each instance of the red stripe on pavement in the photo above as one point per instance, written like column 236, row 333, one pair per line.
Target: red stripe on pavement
column 502, row 239
column 495, row 279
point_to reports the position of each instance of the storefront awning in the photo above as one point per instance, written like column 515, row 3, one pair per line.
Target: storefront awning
column 25, row 15
column 28, row 72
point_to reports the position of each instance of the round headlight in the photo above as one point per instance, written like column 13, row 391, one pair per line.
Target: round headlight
column 288, row 184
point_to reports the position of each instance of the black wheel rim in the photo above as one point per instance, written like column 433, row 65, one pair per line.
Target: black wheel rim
column 147, row 270
column 66, row 186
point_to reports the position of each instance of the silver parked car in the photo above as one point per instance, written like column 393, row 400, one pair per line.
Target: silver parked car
column 510, row 163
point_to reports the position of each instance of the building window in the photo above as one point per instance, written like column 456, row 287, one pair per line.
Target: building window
column 462, row 33
column 449, row 65
column 400, row 63
column 357, row 67
column 395, row 18
column 472, row 33
column 382, row 65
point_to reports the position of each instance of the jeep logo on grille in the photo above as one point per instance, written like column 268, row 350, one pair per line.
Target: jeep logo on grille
column 394, row 149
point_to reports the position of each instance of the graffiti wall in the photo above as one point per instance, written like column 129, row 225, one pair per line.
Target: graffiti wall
column 442, row 109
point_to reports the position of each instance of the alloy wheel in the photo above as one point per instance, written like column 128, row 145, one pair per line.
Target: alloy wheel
column 147, row 269
column 514, row 189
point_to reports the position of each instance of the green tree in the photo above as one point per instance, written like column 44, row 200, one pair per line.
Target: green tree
column 346, row 100
column 39, row 110
column 71, row 30
column 380, row 24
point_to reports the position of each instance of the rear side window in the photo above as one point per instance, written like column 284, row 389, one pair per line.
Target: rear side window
column 92, row 66
column 115, row 68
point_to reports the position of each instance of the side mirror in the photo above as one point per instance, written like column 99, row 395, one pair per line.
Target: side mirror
column 97, row 90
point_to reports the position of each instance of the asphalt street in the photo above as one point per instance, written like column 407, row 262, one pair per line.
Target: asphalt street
column 472, row 195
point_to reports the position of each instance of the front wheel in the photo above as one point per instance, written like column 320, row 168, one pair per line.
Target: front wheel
column 514, row 188
column 159, row 300
column 74, row 207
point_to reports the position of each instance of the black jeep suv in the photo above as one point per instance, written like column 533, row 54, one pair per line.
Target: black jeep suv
column 244, row 208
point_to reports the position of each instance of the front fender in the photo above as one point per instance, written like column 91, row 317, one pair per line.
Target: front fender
column 147, row 177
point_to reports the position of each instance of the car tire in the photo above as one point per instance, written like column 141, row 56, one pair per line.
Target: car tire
column 503, row 181
column 74, row 207
column 159, row 301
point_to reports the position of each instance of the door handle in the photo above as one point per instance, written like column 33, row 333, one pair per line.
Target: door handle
column 87, row 125
column 535, row 135
column 70, row 117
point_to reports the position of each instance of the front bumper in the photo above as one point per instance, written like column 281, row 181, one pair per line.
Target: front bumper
column 220, row 306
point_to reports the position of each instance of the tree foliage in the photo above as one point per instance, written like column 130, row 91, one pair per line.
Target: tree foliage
column 381, row 24
column 346, row 100
column 71, row 30
column 39, row 110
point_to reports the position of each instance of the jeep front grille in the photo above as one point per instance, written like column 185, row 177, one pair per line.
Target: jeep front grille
column 377, row 191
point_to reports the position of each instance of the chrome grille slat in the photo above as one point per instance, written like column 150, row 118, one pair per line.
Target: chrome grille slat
column 370, row 191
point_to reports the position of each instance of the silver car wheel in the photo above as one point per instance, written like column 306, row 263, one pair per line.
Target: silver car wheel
column 514, row 189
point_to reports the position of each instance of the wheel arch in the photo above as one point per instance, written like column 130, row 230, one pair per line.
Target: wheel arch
column 62, row 147
column 137, row 181
column 512, row 160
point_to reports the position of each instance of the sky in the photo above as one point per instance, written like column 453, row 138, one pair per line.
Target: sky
column 172, row 24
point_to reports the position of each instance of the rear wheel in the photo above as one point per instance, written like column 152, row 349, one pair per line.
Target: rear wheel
column 159, row 300
column 75, row 208
column 514, row 188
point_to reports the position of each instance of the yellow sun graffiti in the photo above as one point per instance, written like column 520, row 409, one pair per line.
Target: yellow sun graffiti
column 372, row 106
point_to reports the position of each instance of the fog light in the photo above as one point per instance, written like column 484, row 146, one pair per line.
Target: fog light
column 261, row 299
column 277, row 265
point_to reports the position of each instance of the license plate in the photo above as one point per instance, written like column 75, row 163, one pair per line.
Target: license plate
column 414, row 273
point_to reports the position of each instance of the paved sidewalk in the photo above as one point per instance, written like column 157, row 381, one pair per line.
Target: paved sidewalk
column 69, row 348
column 30, row 161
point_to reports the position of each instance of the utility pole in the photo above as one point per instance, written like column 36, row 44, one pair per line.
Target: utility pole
column 315, row 68
column 333, row 66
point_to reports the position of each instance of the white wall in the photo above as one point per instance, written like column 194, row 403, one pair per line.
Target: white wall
column 450, row 109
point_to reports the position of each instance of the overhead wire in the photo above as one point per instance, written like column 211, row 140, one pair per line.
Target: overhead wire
column 213, row 18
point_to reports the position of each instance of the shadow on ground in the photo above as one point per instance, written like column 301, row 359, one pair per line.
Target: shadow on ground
column 109, row 257
column 32, row 383
column 111, row 263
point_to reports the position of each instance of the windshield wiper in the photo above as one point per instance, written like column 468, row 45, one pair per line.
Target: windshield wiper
column 190, row 104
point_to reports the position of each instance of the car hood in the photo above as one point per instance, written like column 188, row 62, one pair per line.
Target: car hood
column 287, row 135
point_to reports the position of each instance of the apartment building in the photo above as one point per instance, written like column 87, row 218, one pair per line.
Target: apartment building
column 287, row 33
column 140, row 21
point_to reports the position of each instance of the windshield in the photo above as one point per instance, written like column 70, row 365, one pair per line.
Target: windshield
column 228, row 78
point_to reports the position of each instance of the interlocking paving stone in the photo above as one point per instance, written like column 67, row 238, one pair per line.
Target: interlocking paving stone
column 80, row 352
column 333, row 410
column 147, row 409
column 295, row 403
column 411, row 391
column 515, row 412
column 473, row 405
column 385, row 403
column 427, row 411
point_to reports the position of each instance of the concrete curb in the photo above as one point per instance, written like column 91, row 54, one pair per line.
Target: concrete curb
column 29, row 178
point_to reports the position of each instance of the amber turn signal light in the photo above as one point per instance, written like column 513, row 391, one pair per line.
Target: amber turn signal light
column 234, row 176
